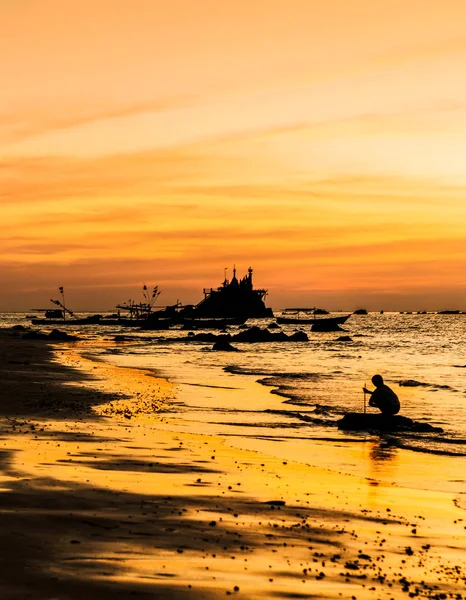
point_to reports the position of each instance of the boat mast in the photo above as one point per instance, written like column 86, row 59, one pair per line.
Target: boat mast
column 62, row 304
column 62, row 292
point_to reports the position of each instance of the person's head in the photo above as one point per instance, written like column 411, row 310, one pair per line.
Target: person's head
column 377, row 380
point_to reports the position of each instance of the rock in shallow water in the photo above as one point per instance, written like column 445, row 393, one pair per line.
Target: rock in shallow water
column 223, row 345
column 363, row 422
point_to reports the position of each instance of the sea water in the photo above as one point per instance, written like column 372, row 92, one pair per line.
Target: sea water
column 282, row 397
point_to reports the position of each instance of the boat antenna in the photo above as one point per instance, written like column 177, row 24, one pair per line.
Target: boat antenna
column 62, row 304
column 62, row 292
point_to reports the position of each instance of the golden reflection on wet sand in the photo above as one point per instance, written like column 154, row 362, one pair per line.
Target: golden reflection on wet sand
column 121, row 505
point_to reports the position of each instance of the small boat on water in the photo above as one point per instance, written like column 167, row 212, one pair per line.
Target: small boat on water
column 292, row 316
column 299, row 321
column 63, row 315
column 89, row 320
column 329, row 324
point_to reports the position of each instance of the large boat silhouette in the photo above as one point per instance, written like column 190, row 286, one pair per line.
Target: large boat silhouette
column 235, row 299
column 233, row 302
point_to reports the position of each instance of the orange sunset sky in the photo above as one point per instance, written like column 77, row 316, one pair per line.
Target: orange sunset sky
column 322, row 142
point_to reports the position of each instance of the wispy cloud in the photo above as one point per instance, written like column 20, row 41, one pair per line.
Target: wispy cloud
column 20, row 125
column 193, row 170
column 49, row 178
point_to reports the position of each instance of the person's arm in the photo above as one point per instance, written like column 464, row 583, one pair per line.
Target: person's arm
column 366, row 391
column 374, row 400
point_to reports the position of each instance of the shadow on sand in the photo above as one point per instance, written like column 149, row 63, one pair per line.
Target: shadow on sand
column 33, row 384
column 67, row 540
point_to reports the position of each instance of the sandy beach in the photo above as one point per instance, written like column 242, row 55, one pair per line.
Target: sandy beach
column 101, row 499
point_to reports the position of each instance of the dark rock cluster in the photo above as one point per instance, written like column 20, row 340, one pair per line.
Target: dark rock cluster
column 54, row 335
column 251, row 335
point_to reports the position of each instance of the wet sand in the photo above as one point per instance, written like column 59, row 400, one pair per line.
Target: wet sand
column 99, row 498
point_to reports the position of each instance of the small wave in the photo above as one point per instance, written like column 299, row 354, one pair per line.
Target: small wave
column 338, row 354
column 414, row 383
column 285, row 384
column 238, row 370
column 301, row 417
column 437, row 439
column 281, row 381
column 259, row 425
column 420, row 445
column 207, row 385
column 285, row 393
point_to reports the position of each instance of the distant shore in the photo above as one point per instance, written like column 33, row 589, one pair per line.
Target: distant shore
column 101, row 499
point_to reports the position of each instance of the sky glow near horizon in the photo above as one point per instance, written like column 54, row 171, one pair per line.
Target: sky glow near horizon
column 321, row 143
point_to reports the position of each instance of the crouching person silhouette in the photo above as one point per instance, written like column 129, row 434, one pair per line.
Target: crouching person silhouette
column 383, row 397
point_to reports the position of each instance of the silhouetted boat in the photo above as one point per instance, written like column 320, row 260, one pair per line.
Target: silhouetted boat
column 63, row 315
column 232, row 303
column 89, row 320
column 233, row 299
column 323, row 321
column 313, row 311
